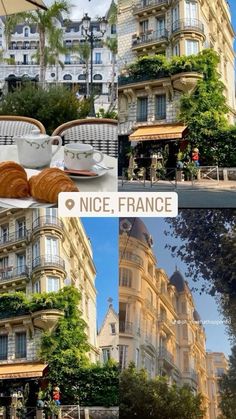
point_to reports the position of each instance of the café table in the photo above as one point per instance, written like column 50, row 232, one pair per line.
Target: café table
column 105, row 183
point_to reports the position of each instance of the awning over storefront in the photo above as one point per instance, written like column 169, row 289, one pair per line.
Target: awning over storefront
column 159, row 132
column 24, row 370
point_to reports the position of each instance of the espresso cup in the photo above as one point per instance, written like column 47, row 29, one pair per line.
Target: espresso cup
column 79, row 156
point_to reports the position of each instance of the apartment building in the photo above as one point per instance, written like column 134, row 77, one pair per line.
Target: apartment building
column 171, row 28
column 160, row 329
column 217, row 366
column 39, row 253
column 19, row 58
column 108, row 336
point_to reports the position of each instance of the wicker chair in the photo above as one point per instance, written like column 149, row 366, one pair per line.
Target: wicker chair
column 12, row 126
column 99, row 132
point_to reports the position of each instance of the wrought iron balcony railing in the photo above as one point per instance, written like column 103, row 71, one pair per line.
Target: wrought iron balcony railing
column 150, row 37
column 165, row 354
column 145, row 4
column 124, row 80
column 126, row 327
column 47, row 221
column 49, row 260
column 18, row 235
column 8, row 274
column 188, row 24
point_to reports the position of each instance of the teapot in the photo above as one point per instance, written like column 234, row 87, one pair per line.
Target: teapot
column 35, row 149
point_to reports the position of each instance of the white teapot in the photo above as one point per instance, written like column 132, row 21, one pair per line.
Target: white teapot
column 35, row 149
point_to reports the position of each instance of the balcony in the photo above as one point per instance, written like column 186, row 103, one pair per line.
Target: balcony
column 47, row 319
column 13, row 274
column 147, row 6
column 49, row 261
column 150, row 39
column 132, row 257
column 45, row 223
column 165, row 356
column 126, row 328
column 8, row 240
column 191, row 378
column 166, row 325
column 188, row 25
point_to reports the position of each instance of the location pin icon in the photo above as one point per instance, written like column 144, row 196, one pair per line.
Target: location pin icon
column 70, row 203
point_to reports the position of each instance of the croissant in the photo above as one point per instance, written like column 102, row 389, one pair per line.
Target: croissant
column 13, row 181
column 49, row 183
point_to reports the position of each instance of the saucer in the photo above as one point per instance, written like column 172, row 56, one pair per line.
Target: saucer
column 98, row 172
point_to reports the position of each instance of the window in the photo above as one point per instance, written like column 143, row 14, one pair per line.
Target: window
column 142, row 109
column 97, row 77
column 67, row 77
column 36, row 250
column 175, row 17
column 20, row 345
column 4, row 233
column 191, row 13
column 160, row 107
column 160, row 25
column 37, row 287
column 20, row 228
column 113, row 29
column 52, row 249
column 113, row 328
column 25, row 59
column 3, row 347
column 125, row 277
column 192, row 47
column 67, row 59
column 82, row 77
column 144, row 26
column 123, row 349
column 51, row 215
column 20, row 263
column 149, row 296
column 3, row 267
column 106, row 354
column 53, row 284
column 98, row 58
column 176, row 49
column 26, row 32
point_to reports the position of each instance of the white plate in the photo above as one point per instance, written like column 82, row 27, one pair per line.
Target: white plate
column 98, row 170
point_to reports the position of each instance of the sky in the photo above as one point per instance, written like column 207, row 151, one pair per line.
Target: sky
column 217, row 339
column 94, row 8
column 103, row 233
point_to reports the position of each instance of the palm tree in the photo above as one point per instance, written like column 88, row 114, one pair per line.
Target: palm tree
column 112, row 45
column 45, row 23
column 84, row 51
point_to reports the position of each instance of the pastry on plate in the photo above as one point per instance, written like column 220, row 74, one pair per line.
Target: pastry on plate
column 47, row 185
column 13, row 180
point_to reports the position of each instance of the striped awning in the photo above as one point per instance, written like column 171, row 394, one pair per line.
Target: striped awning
column 159, row 132
column 24, row 370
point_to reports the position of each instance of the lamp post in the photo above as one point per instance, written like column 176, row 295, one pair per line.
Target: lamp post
column 91, row 38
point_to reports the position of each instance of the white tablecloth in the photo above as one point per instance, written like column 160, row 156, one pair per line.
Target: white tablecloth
column 106, row 183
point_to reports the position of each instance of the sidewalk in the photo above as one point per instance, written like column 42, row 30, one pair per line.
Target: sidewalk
column 163, row 185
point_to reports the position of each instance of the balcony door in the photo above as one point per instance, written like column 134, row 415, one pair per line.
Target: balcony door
column 20, row 228
column 175, row 17
column 191, row 13
column 51, row 215
column 4, row 233
column 20, row 263
column 123, row 317
column 52, row 249
column 4, row 267
column 160, row 26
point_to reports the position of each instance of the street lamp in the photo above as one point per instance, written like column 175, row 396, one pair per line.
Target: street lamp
column 91, row 38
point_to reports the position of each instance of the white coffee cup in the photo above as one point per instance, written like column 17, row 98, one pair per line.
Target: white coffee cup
column 79, row 156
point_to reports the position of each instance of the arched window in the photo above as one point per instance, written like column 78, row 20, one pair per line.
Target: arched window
column 82, row 77
column 125, row 278
column 97, row 77
column 67, row 77
column 26, row 32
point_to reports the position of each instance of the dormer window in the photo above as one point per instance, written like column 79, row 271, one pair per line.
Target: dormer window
column 26, row 32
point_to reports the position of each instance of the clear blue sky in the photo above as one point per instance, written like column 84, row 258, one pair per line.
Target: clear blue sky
column 103, row 233
column 233, row 12
column 217, row 339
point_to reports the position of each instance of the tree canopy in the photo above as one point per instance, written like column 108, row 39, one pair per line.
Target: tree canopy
column 141, row 397
column 228, row 389
column 206, row 244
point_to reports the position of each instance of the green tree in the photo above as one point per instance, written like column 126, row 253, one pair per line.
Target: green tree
column 112, row 45
column 206, row 244
column 204, row 110
column 228, row 389
column 65, row 348
column 84, row 51
column 45, row 24
column 141, row 397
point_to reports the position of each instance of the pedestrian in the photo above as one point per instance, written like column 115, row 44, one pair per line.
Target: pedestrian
column 56, row 395
column 195, row 157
